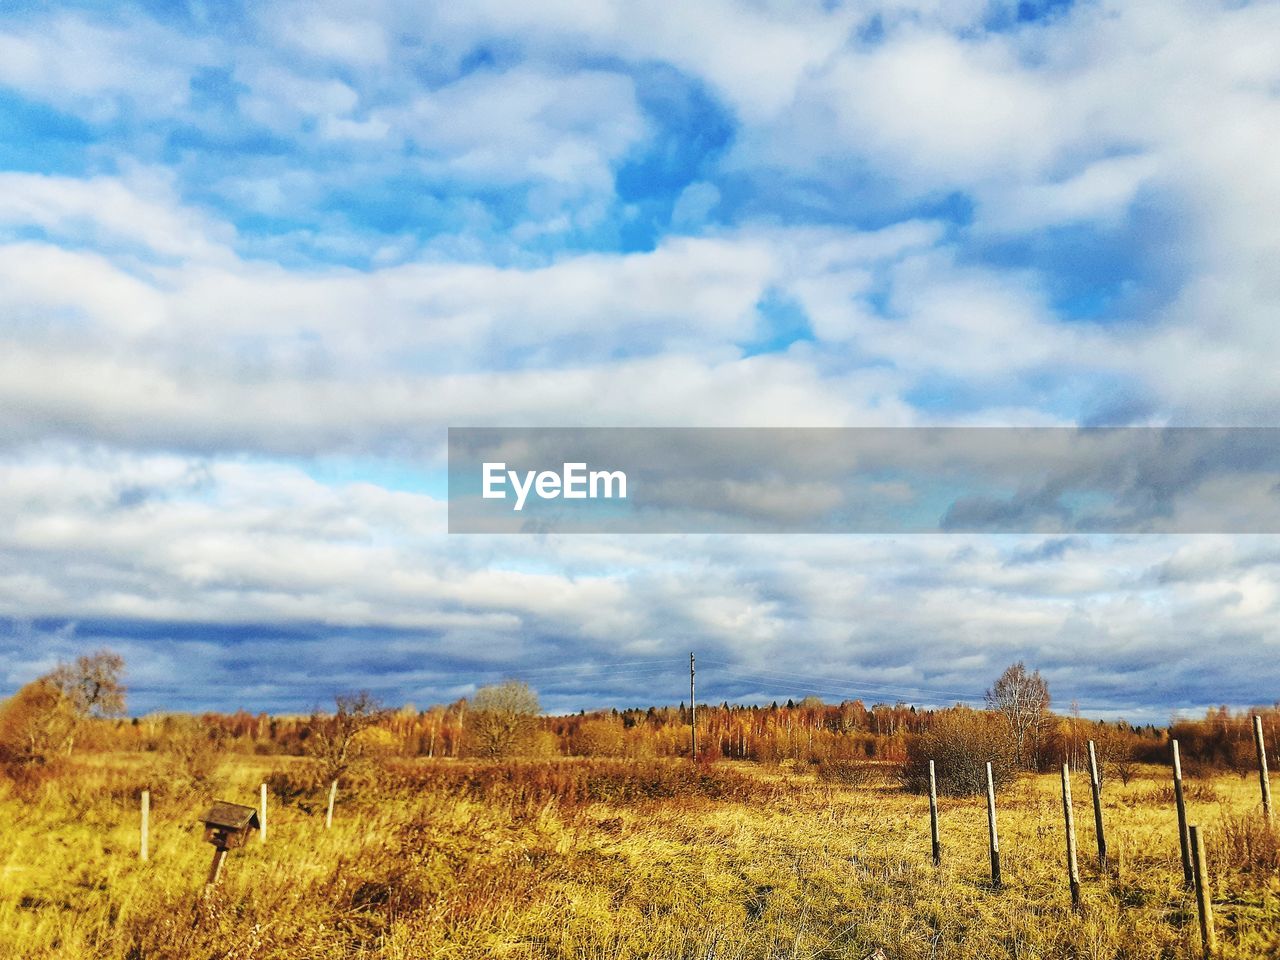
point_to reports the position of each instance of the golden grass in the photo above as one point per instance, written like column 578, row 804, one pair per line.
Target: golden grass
column 419, row 867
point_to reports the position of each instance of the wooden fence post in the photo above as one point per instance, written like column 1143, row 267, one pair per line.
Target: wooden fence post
column 146, row 826
column 1204, row 903
column 262, row 813
column 991, row 828
column 933, row 816
column 1184, row 841
column 333, row 795
column 1073, row 871
column 1262, row 767
column 1095, row 786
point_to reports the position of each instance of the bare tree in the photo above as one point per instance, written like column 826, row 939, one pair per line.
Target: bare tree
column 92, row 684
column 1114, row 744
column 335, row 738
column 501, row 717
column 1022, row 698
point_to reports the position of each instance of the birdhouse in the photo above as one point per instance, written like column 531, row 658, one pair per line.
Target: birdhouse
column 227, row 825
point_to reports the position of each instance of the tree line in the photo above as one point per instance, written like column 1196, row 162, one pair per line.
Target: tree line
column 80, row 705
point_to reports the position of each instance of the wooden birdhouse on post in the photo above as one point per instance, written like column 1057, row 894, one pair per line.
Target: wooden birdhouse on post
column 227, row 826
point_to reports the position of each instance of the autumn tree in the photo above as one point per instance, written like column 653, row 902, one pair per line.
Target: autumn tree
column 36, row 724
column 502, row 717
column 43, row 719
column 599, row 737
column 1022, row 699
column 335, row 740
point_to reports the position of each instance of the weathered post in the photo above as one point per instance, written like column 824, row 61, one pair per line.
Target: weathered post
column 1263, row 777
column 1204, row 903
column 146, row 826
column 1095, row 786
column 262, row 813
column 1073, row 871
column 1183, row 837
column 333, row 795
column 991, row 828
column 933, row 816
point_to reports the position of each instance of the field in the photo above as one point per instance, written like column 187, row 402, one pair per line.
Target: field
column 603, row 859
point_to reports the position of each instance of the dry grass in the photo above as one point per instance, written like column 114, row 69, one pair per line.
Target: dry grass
column 605, row 859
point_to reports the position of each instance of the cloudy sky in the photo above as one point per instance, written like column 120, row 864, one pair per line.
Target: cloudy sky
column 254, row 260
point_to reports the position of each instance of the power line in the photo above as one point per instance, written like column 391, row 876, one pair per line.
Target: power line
column 892, row 688
column 665, row 661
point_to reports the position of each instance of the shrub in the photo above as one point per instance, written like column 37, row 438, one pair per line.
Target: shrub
column 295, row 785
column 190, row 765
column 599, row 737
column 1247, row 843
column 849, row 773
column 37, row 724
column 28, row 778
column 960, row 742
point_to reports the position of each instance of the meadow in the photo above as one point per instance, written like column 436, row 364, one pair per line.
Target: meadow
column 617, row 858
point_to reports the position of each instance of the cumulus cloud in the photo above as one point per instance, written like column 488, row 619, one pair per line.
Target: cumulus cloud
column 99, row 69
column 232, row 247
column 186, row 560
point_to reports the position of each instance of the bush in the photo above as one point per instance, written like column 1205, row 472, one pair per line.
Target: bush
column 296, row 785
column 1247, row 843
column 849, row 773
column 960, row 742
column 599, row 737
column 37, row 724
column 190, row 766
column 27, row 778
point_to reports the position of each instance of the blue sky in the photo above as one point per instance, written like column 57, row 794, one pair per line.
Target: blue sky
column 255, row 259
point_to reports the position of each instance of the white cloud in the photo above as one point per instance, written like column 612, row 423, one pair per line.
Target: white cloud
column 206, row 542
column 525, row 124
column 91, row 68
column 1100, row 194
column 943, row 110
column 138, row 212
column 359, row 41
column 152, row 352
column 128, row 319
column 759, row 55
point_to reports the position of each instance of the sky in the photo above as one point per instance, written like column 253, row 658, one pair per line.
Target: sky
column 255, row 259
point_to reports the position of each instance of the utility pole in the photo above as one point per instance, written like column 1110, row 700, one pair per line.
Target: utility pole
column 693, row 713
